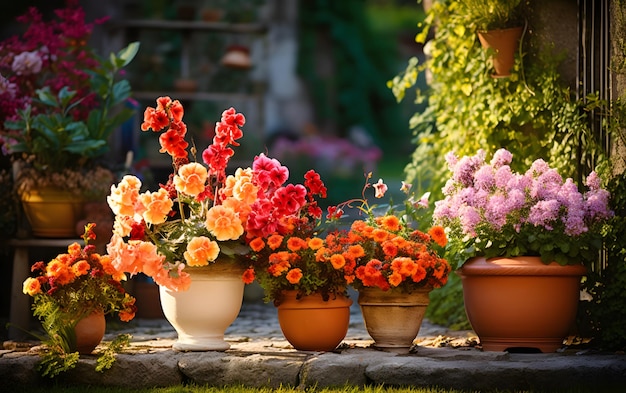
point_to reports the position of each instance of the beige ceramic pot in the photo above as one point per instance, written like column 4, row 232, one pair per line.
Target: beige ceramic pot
column 393, row 319
column 202, row 314
column 520, row 303
column 312, row 324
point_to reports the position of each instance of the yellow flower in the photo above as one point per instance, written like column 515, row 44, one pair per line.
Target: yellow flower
column 31, row 286
column 223, row 223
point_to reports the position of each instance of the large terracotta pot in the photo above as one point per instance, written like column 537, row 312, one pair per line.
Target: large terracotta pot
column 520, row 303
column 312, row 324
column 52, row 212
column 202, row 314
column 504, row 43
column 89, row 332
column 393, row 319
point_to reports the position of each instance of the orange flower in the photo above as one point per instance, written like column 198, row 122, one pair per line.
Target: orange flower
column 390, row 249
column 296, row 244
column 390, row 223
column 157, row 204
column 124, row 196
column 316, row 243
column 257, row 244
column 294, row 276
column 248, row 276
column 338, row 261
column 81, row 268
column 395, row 279
column 223, row 223
column 191, row 179
column 356, row 251
column 380, row 235
column 200, row 251
column 275, row 241
column 439, row 235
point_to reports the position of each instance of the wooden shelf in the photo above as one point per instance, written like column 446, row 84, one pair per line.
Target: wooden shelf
column 220, row 27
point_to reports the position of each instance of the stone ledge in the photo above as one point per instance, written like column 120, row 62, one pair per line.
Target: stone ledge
column 274, row 363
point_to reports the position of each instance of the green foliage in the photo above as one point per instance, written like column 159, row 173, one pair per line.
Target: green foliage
column 54, row 136
column 107, row 356
column 492, row 14
column 532, row 113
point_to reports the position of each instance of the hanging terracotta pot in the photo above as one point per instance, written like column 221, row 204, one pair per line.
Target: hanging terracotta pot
column 393, row 319
column 89, row 332
column 312, row 324
column 202, row 314
column 52, row 212
column 520, row 303
column 504, row 43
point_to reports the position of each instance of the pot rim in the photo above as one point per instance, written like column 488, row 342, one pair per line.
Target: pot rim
column 517, row 266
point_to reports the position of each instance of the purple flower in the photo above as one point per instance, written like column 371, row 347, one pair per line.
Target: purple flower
column 500, row 158
column 544, row 213
column 484, row 178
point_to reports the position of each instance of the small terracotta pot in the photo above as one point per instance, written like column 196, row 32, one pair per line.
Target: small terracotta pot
column 515, row 303
column 504, row 42
column 312, row 324
column 89, row 332
column 391, row 318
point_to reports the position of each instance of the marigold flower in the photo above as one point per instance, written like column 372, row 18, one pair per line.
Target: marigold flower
column 223, row 223
column 315, row 243
column 275, row 241
column 81, row 268
column 248, row 276
column 294, row 276
column 438, row 234
column 296, row 244
column 390, row 223
column 31, row 286
column 257, row 244
column 338, row 261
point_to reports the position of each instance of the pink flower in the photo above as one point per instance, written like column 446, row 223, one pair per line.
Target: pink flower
column 381, row 188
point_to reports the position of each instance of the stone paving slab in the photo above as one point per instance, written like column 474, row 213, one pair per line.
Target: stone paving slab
column 260, row 356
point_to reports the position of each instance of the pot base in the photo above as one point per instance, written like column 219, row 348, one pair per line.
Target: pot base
column 195, row 343
column 523, row 344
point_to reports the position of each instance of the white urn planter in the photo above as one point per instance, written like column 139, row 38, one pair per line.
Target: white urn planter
column 202, row 314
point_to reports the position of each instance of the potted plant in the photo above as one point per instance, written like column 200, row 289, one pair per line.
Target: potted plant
column 59, row 104
column 71, row 296
column 190, row 235
column 395, row 265
column 520, row 236
column 499, row 26
column 305, row 275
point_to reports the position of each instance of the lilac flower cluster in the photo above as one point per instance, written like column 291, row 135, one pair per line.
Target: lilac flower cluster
column 489, row 201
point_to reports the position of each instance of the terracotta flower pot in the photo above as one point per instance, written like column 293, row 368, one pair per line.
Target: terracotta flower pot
column 504, row 43
column 520, row 302
column 89, row 332
column 202, row 314
column 312, row 324
column 52, row 212
column 393, row 319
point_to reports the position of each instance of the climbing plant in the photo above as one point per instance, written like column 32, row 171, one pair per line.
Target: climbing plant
column 532, row 113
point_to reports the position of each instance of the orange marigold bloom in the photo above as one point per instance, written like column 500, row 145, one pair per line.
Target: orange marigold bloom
column 390, row 249
column 358, row 226
column 274, row 241
column 356, row 251
column 380, row 235
column 296, row 244
column 315, row 243
column 257, row 244
column 200, row 251
column 191, row 179
column 81, row 268
column 439, row 235
column 223, row 223
column 248, row 276
column 338, row 261
column 395, row 279
column 294, row 276
column 390, row 223
column 419, row 274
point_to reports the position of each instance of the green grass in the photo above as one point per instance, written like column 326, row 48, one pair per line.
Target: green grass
column 242, row 389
